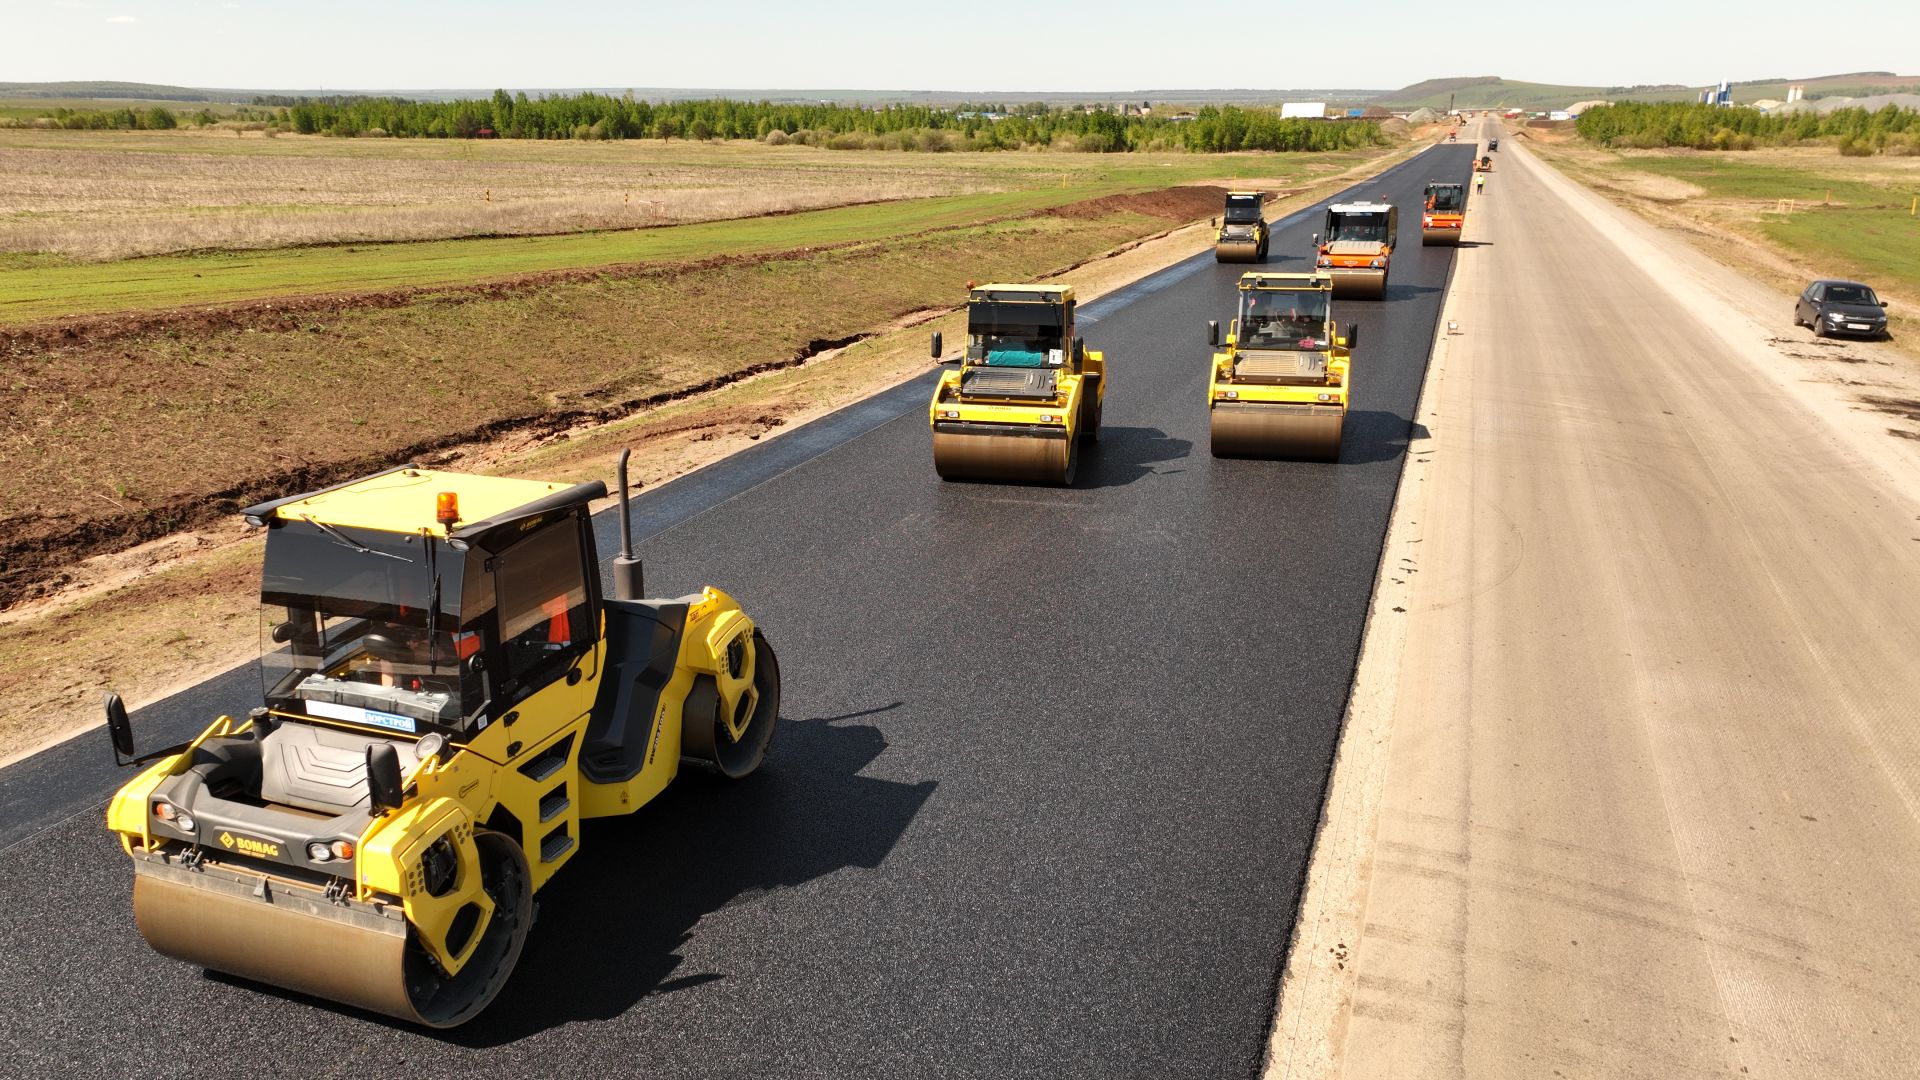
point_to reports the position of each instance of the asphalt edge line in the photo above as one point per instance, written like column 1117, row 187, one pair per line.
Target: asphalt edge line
column 1314, row 995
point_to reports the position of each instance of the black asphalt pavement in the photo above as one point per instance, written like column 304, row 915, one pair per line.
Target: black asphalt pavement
column 1040, row 804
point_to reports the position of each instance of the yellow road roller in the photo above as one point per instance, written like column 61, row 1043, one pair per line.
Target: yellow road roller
column 446, row 698
column 1357, row 247
column 1445, row 215
column 1243, row 229
column 1027, row 391
column 1279, row 390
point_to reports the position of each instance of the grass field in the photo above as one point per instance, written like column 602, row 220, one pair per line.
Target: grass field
column 1829, row 215
column 34, row 288
column 104, row 195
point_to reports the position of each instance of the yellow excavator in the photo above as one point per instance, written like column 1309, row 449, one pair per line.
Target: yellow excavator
column 1280, row 387
column 446, row 697
column 1243, row 229
column 1026, row 394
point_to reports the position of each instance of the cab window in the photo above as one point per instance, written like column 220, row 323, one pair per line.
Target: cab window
column 544, row 615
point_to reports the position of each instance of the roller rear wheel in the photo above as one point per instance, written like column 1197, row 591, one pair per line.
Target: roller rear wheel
column 442, row 1002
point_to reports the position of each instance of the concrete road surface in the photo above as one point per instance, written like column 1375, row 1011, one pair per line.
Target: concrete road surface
column 1651, row 802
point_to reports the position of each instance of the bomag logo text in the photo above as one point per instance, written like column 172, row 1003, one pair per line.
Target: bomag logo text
column 247, row 845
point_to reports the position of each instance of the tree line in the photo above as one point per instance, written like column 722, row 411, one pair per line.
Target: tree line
column 1646, row 126
column 1211, row 129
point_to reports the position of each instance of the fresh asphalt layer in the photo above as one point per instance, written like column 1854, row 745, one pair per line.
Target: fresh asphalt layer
column 1040, row 804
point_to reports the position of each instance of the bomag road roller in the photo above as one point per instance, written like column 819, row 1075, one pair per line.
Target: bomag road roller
column 1485, row 164
column 1280, row 388
column 1445, row 214
column 1357, row 247
column 1027, row 393
column 447, row 697
column 1243, row 229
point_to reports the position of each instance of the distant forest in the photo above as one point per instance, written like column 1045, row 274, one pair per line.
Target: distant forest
column 1210, row 129
column 1887, row 130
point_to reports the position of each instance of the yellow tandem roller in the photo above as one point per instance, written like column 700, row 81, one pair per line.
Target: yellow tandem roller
column 1027, row 392
column 1279, row 390
column 1243, row 234
column 446, row 699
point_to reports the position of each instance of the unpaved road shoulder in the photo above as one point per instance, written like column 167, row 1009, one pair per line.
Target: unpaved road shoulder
column 1645, row 797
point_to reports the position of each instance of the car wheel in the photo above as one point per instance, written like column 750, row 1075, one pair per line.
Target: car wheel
column 1819, row 330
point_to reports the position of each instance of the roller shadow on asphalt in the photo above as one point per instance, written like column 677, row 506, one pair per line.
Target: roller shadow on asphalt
column 611, row 930
column 1126, row 454
column 1376, row 435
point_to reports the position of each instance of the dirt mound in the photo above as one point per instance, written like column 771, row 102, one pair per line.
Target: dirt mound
column 1172, row 204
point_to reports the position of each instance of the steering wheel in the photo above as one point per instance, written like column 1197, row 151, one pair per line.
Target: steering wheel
column 383, row 646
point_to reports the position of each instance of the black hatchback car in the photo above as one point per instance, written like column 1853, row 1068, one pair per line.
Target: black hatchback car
column 1845, row 308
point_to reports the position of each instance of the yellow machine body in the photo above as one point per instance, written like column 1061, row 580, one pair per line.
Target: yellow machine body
column 1027, row 395
column 1243, row 235
column 1280, row 386
column 262, row 849
column 1356, row 249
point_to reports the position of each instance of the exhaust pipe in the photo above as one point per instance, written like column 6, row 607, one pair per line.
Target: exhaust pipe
column 629, row 580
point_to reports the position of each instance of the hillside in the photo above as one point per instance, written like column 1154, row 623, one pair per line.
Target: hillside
column 1491, row 91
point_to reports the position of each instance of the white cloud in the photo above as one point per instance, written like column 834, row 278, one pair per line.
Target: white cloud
column 122, row 18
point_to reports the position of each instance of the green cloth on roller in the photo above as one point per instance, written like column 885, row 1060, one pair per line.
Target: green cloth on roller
column 1016, row 358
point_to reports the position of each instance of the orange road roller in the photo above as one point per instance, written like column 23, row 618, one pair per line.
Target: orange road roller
column 1357, row 247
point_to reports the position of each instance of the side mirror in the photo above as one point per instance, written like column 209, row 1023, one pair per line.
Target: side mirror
column 1213, row 333
column 119, row 728
column 937, row 350
column 1883, row 303
column 1353, row 337
column 281, row 633
column 1316, row 239
column 383, row 778
column 1213, row 222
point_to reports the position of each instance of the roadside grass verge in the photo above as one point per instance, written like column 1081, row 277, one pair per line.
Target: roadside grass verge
column 1818, row 214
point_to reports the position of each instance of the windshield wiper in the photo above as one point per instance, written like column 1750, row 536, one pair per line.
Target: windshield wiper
column 350, row 542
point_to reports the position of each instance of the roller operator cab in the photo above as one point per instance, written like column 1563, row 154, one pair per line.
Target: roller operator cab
column 1027, row 393
column 1280, row 387
column 1356, row 249
column 446, row 696
column 1243, row 229
column 1445, row 214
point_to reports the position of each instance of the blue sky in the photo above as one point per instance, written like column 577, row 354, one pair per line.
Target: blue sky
column 952, row 45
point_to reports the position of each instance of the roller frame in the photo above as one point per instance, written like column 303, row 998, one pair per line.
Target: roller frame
column 1276, row 430
column 1018, row 453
